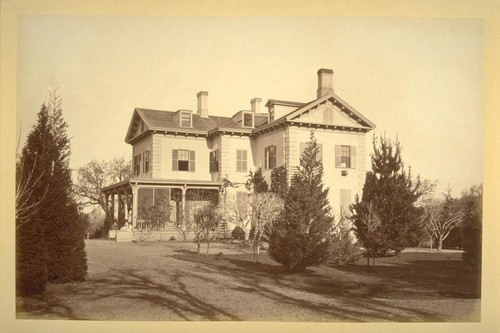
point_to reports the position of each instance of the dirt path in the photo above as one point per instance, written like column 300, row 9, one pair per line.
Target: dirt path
column 158, row 281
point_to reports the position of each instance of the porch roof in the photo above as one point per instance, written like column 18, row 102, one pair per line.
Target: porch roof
column 160, row 182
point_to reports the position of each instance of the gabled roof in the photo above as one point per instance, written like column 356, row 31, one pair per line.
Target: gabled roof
column 157, row 120
column 284, row 103
column 293, row 117
column 169, row 121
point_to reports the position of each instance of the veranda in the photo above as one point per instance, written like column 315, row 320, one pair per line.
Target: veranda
column 128, row 203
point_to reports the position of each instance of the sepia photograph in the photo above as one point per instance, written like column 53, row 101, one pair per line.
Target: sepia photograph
column 259, row 168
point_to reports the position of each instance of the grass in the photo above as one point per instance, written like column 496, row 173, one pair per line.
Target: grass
column 167, row 281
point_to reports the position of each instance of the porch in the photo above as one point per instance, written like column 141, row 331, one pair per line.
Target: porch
column 156, row 204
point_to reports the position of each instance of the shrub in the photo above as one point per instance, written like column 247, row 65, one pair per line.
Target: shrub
column 238, row 233
column 172, row 238
column 472, row 227
column 343, row 249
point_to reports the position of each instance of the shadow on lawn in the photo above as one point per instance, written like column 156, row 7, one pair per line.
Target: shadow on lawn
column 194, row 292
column 443, row 278
column 165, row 293
column 355, row 301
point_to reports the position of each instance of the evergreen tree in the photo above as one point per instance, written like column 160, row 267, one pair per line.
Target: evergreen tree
column 300, row 236
column 64, row 232
column 392, row 195
column 31, row 190
column 256, row 182
column 472, row 220
column 279, row 181
column 56, row 222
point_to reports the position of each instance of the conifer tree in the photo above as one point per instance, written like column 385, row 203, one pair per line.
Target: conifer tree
column 256, row 182
column 300, row 236
column 55, row 229
column 392, row 195
column 64, row 232
column 31, row 190
column 279, row 181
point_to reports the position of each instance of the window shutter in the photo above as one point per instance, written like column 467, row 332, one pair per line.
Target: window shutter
column 266, row 158
column 319, row 157
column 337, row 156
column 353, row 157
column 244, row 158
column 175, row 164
column 191, row 160
column 211, row 161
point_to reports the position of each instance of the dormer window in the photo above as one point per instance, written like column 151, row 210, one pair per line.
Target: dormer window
column 186, row 119
column 248, row 119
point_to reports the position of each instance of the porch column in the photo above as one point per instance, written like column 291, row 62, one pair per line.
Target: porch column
column 106, row 203
column 112, row 208
column 120, row 208
column 183, row 205
column 127, row 217
column 134, row 205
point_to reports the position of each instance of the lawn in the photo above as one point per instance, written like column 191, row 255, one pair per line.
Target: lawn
column 166, row 281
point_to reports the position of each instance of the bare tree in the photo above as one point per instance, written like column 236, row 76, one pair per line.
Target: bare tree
column 442, row 217
column 96, row 175
column 372, row 223
column 266, row 207
column 207, row 223
column 26, row 183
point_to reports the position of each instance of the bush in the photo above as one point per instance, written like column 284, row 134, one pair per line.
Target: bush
column 343, row 249
column 172, row 238
column 238, row 233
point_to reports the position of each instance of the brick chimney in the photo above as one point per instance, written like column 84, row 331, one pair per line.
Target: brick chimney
column 202, row 104
column 325, row 82
column 256, row 104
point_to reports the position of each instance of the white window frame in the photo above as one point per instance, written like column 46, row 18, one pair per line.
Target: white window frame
column 182, row 117
column 251, row 114
column 241, row 160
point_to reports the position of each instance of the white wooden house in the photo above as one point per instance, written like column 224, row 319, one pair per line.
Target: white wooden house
column 179, row 154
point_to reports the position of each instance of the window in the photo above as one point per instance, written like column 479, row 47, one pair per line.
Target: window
column 241, row 160
column 345, row 157
column 214, row 161
column 247, row 119
column 328, row 116
column 186, row 119
column 319, row 156
column 270, row 157
column 137, row 165
column 183, row 160
column 145, row 165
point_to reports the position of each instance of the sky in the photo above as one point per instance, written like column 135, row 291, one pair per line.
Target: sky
column 417, row 79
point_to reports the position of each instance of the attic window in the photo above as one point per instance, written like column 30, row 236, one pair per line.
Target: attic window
column 186, row 119
column 248, row 119
column 328, row 116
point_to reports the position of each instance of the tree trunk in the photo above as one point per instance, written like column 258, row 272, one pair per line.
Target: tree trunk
column 208, row 245
column 440, row 244
column 430, row 239
column 199, row 246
